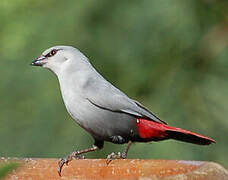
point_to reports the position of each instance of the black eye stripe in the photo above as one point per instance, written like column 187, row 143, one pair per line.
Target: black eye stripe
column 51, row 53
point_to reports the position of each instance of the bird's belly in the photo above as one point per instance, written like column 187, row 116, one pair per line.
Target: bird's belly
column 102, row 124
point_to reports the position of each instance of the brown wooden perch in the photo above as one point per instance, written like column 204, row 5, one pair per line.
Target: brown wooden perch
column 46, row 169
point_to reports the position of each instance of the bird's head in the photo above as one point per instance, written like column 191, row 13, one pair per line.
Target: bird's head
column 58, row 57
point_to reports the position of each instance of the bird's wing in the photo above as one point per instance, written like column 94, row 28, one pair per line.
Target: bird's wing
column 103, row 94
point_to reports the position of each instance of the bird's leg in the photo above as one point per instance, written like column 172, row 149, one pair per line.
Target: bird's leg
column 77, row 155
column 119, row 155
column 124, row 154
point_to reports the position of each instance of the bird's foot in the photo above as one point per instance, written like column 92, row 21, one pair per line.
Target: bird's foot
column 113, row 156
column 76, row 155
column 69, row 158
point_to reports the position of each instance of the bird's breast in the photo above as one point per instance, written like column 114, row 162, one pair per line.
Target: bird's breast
column 99, row 122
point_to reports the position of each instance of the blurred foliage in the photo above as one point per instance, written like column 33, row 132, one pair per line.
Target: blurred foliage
column 7, row 168
column 172, row 56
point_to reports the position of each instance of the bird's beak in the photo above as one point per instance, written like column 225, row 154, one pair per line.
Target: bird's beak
column 40, row 61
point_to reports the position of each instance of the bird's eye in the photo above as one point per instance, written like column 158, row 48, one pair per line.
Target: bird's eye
column 52, row 53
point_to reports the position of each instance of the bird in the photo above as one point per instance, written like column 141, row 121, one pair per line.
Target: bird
column 103, row 110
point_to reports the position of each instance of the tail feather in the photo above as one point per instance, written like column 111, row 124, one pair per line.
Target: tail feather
column 189, row 137
column 153, row 131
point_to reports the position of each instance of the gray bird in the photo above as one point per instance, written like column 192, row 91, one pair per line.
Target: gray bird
column 103, row 110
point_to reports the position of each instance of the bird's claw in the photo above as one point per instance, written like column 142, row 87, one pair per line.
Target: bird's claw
column 113, row 156
column 61, row 164
column 66, row 161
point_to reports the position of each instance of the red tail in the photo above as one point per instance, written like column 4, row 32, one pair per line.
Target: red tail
column 153, row 131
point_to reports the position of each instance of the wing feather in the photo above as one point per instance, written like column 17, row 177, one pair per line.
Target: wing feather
column 103, row 94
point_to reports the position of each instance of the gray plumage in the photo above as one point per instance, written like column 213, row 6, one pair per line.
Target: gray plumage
column 95, row 104
column 103, row 110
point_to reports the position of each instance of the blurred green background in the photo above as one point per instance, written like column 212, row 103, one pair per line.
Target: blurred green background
column 172, row 56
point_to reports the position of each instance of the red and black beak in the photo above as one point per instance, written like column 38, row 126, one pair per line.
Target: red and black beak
column 40, row 61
